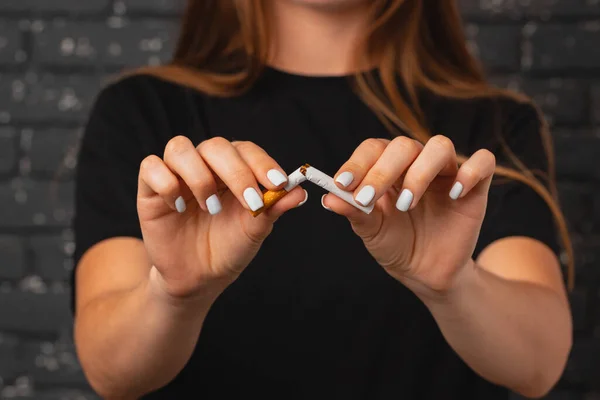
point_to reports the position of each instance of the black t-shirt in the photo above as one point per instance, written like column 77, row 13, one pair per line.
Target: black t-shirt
column 311, row 325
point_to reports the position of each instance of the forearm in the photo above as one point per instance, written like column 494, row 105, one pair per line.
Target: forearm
column 514, row 334
column 136, row 341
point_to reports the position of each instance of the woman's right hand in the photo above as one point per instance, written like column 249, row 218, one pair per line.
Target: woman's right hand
column 205, row 245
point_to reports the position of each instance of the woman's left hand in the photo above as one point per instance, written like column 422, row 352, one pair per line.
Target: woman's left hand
column 428, row 212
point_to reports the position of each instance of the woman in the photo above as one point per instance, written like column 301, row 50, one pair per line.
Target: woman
column 423, row 298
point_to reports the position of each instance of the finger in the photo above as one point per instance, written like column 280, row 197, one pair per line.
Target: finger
column 399, row 154
column 362, row 159
column 437, row 158
column 225, row 161
column 182, row 158
column 265, row 169
column 156, row 179
column 364, row 225
column 479, row 168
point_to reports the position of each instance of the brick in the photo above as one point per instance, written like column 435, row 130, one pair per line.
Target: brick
column 8, row 150
column 85, row 44
column 595, row 107
column 12, row 256
column 62, row 394
column 27, row 204
column 53, row 153
column 34, row 312
column 9, row 351
column 53, row 363
column 561, row 47
column 577, row 158
column 583, row 366
column 587, row 256
column 47, row 97
column 60, row 6
column 578, row 205
column 579, row 309
column 496, row 46
column 159, row 6
column 11, row 44
column 564, row 101
column 51, row 260
column 518, row 9
column 554, row 395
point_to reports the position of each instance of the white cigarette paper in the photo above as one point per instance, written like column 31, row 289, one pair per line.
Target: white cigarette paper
column 294, row 179
column 326, row 182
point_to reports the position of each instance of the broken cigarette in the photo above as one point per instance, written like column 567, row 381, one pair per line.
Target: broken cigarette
column 326, row 182
column 271, row 197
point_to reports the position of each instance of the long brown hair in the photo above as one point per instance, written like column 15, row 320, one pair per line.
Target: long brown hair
column 224, row 46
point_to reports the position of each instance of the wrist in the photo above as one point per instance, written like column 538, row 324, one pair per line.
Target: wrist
column 203, row 298
column 461, row 283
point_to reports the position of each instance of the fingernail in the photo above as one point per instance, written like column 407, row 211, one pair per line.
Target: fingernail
column 253, row 199
column 305, row 198
column 456, row 190
column 323, row 203
column 214, row 205
column 405, row 200
column 345, row 178
column 276, row 177
column 365, row 195
column 180, row 205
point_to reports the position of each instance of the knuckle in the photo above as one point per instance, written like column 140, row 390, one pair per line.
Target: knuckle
column 488, row 156
column 177, row 145
column 378, row 178
column 374, row 144
column 244, row 146
column 442, row 142
column 406, row 144
column 148, row 163
column 469, row 173
column 212, row 144
column 241, row 177
column 201, row 185
column 417, row 178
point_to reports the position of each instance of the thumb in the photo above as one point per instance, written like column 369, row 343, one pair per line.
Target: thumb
column 364, row 225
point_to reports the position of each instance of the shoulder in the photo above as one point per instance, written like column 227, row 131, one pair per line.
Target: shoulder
column 491, row 122
column 144, row 106
column 134, row 89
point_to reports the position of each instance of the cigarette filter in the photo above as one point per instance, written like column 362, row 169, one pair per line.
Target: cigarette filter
column 271, row 197
column 326, row 182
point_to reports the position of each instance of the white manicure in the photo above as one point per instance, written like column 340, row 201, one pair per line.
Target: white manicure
column 405, row 200
column 276, row 177
column 323, row 204
column 214, row 205
column 180, row 205
column 253, row 199
column 365, row 195
column 345, row 178
column 456, row 190
column 305, row 198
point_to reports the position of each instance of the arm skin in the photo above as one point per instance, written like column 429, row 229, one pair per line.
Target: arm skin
column 145, row 338
column 508, row 317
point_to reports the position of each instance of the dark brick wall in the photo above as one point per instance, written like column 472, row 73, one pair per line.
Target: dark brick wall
column 54, row 55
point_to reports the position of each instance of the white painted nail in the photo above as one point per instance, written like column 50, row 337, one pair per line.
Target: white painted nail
column 456, row 190
column 405, row 200
column 253, row 199
column 180, row 205
column 365, row 195
column 214, row 205
column 345, row 178
column 323, row 204
column 305, row 198
column 276, row 177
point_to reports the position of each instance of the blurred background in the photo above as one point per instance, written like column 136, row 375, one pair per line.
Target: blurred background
column 55, row 56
